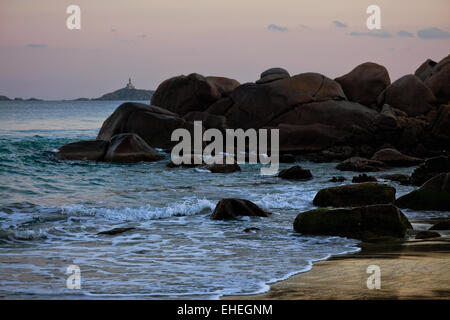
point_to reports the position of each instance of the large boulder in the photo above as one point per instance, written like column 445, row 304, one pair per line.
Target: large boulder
column 359, row 164
column 432, row 195
column 194, row 92
column 365, row 223
column 93, row 150
column 364, row 83
column 430, row 168
column 153, row 124
column 408, row 94
column 355, row 195
column 395, row 158
column 232, row 208
column 439, row 81
column 129, row 147
column 273, row 74
column 295, row 173
column 208, row 120
column 257, row 105
column 441, row 124
column 425, row 69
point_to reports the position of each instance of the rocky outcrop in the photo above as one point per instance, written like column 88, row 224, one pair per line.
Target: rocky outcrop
column 194, row 92
column 432, row 195
column 365, row 223
column 295, row 173
column 360, row 194
column 439, row 79
column 395, row 158
column 365, row 83
column 93, row 150
column 430, row 168
column 232, row 208
column 129, row 147
column 360, row 164
column 153, row 124
column 410, row 95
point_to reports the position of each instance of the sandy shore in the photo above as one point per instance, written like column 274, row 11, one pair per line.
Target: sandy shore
column 414, row 269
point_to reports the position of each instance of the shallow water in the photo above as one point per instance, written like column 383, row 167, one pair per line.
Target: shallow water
column 51, row 212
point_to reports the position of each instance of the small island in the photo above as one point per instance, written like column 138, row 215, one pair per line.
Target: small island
column 128, row 93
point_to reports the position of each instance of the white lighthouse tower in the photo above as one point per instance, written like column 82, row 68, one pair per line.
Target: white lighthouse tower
column 130, row 85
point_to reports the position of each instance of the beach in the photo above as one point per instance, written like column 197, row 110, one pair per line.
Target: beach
column 413, row 269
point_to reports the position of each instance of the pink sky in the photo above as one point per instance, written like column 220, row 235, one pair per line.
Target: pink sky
column 157, row 39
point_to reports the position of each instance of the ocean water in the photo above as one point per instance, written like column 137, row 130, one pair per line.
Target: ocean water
column 51, row 212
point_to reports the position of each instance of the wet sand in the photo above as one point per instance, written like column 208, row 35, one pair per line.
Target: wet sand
column 413, row 269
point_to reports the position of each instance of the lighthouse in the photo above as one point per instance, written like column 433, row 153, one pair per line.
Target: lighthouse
column 130, row 85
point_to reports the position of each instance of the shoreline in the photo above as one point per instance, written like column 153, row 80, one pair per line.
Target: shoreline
column 410, row 269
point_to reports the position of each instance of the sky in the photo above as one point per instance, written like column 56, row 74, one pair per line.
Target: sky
column 152, row 40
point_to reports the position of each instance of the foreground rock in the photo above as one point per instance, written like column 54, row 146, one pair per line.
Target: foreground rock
column 364, row 223
column 232, row 208
column 361, row 194
column 153, row 124
column 430, row 168
column 295, row 173
column 365, row 83
column 129, row 147
column 427, row 235
column 93, row 150
column 360, row 164
column 441, row 225
column 432, row 195
column 395, row 158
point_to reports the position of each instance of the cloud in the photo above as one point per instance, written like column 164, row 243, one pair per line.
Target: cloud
column 36, row 45
column 142, row 36
column 405, row 34
column 274, row 27
column 340, row 24
column 371, row 34
column 433, row 33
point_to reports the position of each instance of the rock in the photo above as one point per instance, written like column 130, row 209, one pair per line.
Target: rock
column 387, row 119
column 195, row 161
column 232, row 208
column 425, row 69
column 364, row 223
column 273, row 74
column 83, row 150
column 359, row 164
column 441, row 225
column 365, row 83
column 439, row 81
column 432, row 195
column 194, row 92
column 295, row 173
column 129, row 147
column 222, row 168
column 410, row 95
column 363, row 178
column 287, row 158
column 441, row 125
column 337, row 179
column 115, row 231
column 427, row 235
column 430, row 168
column 252, row 229
column 153, row 124
column 394, row 158
column 208, row 120
column 360, row 194
column 404, row 179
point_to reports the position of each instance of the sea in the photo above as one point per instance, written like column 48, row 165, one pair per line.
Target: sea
column 51, row 212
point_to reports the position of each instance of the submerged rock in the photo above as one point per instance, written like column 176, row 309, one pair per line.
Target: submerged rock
column 427, row 235
column 129, row 147
column 364, row 223
column 295, row 173
column 363, row 178
column 252, row 229
column 395, row 158
column 232, row 208
column 83, row 150
column 359, row 164
column 432, row 195
column 338, row 179
column 115, row 231
column 222, row 168
column 360, row 194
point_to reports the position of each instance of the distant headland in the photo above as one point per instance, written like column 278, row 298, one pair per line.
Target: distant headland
column 128, row 93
